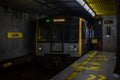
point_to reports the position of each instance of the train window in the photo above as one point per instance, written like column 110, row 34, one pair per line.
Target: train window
column 44, row 33
column 92, row 32
column 71, row 33
column 85, row 32
column 57, row 34
column 66, row 34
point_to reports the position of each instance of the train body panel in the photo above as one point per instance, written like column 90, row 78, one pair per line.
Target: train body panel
column 44, row 48
column 71, row 48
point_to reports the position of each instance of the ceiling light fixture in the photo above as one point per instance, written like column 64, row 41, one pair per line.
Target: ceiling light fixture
column 86, row 7
column 81, row 2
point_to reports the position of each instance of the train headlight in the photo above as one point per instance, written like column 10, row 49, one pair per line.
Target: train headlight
column 40, row 48
column 107, row 35
column 75, row 49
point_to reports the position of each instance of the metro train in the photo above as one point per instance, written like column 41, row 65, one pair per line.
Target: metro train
column 62, row 39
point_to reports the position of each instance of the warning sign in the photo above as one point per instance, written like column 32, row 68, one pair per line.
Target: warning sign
column 14, row 35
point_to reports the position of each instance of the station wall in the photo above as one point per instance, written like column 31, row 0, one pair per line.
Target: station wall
column 22, row 40
column 109, row 33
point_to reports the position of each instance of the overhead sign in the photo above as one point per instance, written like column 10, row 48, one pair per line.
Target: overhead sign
column 14, row 35
column 108, row 22
column 59, row 20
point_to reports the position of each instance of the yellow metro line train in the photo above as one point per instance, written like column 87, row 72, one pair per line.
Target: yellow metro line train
column 62, row 39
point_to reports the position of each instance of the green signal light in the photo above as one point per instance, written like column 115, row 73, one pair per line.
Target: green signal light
column 47, row 20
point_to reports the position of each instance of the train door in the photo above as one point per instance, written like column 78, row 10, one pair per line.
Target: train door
column 109, row 33
column 57, row 38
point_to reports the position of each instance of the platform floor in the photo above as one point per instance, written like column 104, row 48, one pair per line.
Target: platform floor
column 93, row 66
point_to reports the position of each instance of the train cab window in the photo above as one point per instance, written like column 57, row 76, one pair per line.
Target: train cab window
column 71, row 33
column 44, row 33
column 57, row 34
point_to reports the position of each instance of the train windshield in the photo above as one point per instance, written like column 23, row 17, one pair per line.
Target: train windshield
column 71, row 33
column 57, row 34
column 44, row 34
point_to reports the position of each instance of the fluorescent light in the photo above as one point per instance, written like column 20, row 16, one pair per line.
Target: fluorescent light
column 86, row 7
column 93, row 14
column 59, row 20
column 90, row 11
column 81, row 2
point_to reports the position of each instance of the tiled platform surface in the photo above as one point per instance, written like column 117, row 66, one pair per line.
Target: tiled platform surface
column 95, row 65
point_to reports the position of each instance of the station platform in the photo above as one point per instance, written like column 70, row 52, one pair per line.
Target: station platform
column 95, row 65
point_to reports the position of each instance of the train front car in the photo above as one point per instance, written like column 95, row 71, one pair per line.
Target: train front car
column 61, row 40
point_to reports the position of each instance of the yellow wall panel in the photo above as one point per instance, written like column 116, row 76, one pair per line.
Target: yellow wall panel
column 14, row 35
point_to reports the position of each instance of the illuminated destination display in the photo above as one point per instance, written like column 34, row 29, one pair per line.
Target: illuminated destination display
column 59, row 20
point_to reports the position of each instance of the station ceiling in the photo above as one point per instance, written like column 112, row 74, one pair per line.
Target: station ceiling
column 57, row 7
column 103, row 7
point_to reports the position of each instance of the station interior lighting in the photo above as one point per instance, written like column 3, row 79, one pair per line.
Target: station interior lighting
column 86, row 7
column 59, row 20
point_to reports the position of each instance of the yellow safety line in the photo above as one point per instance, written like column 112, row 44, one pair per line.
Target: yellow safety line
column 92, row 77
column 96, row 63
column 93, row 68
column 85, row 62
column 78, row 67
column 101, row 77
column 73, row 75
